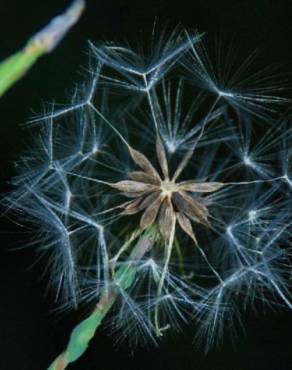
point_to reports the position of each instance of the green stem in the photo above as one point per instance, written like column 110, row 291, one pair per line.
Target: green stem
column 85, row 330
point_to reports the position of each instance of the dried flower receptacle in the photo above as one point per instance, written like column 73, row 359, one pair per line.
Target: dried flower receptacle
column 162, row 198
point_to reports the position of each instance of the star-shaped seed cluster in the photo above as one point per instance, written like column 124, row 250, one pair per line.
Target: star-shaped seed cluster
column 163, row 200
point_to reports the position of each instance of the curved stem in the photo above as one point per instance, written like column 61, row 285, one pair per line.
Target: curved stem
column 85, row 330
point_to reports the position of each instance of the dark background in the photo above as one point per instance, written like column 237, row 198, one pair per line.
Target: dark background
column 31, row 335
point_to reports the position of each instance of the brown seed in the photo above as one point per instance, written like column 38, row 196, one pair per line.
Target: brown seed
column 129, row 186
column 149, row 199
column 186, row 225
column 161, row 156
column 132, row 207
column 192, row 208
column 135, row 194
column 141, row 176
column 150, row 214
column 166, row 218
column 200, row 187
column 143, row 163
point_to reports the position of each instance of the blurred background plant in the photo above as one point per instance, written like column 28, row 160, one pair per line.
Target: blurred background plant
column 14, row 67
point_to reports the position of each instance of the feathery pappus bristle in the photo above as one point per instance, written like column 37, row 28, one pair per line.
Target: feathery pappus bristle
column 164, row 144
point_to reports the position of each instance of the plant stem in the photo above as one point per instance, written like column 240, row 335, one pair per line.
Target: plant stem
column 43, row 42
column 85, row 330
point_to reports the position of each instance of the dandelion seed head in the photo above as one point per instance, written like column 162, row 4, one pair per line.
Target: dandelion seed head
column 164, row 183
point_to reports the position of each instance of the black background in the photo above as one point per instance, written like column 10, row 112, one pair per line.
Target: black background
column 30, row 334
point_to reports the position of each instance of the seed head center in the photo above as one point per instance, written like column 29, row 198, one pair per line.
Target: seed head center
column 167, row 188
